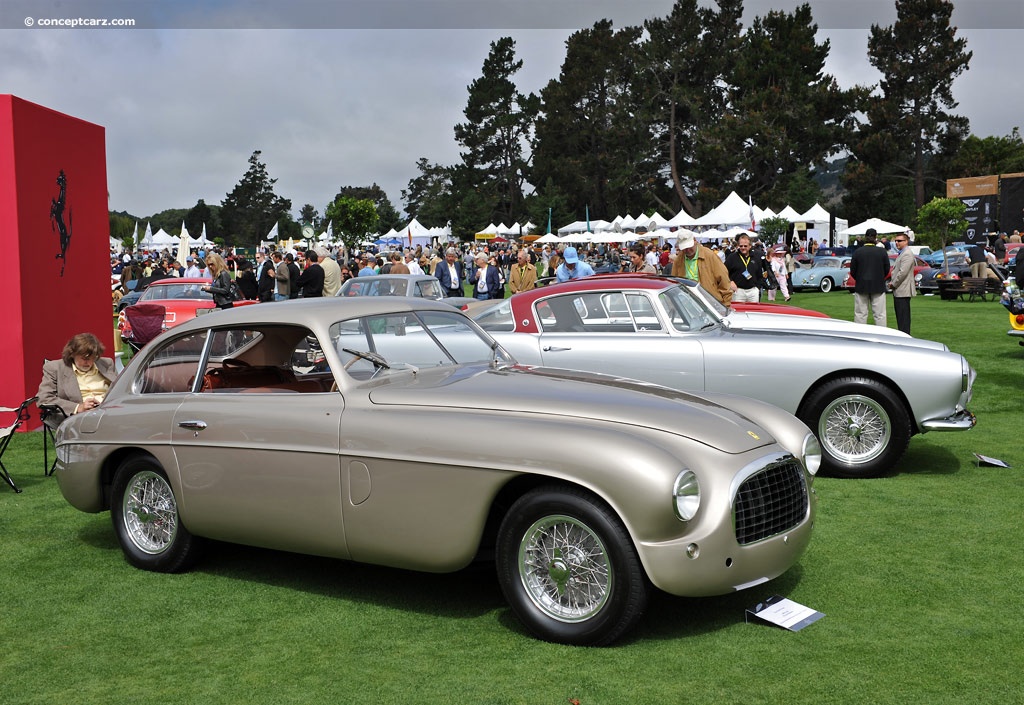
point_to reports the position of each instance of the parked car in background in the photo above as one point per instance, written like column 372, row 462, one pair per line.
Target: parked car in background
column 1010, row 257
column 919, row 266
column 131, row 296
column 957, row 267
column 951, row 252
column 825, row 274
column 864, row 390
column 586, row 490
column 422, row 286
column 182, row 298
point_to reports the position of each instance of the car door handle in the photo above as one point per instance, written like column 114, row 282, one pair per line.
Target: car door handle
column 193, row 425
column 554, row 348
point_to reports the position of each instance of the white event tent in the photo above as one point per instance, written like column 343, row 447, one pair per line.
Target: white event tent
column 882, row 227
column 732, row 211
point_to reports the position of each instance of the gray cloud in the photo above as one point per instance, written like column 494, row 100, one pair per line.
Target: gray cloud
column 184, row 108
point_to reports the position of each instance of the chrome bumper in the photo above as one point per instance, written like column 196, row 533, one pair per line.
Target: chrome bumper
column 1015, row 332
column 960, row 421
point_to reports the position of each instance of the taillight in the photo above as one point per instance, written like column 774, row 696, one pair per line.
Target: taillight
column 1019, row 318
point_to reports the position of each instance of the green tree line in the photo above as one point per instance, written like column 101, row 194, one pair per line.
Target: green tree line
column 671, row 115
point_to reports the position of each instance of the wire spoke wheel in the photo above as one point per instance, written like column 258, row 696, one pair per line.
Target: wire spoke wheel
column 150, row 512
column 144, row 511
column 568, row 568
column 564, row 568
column 855, row 428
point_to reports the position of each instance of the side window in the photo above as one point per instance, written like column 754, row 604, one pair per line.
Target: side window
column 172, row 369
column 562, row 314
column 644, row 316
column 266, row 360
column 429, row 290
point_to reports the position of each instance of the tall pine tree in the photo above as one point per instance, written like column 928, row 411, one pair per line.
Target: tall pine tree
column 498, row 127
column 251, row 208
column 910, row 122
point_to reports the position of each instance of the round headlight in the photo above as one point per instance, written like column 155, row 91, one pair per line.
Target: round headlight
column 812, row 454
column 686, row 495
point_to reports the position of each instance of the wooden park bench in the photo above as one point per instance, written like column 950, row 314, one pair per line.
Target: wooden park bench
column 971, row 287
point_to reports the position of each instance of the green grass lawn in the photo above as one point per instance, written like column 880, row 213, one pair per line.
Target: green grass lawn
column 919, row 575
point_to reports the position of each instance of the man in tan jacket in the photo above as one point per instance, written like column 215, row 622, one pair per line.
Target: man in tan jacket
column 523, row 276
column 694, row 261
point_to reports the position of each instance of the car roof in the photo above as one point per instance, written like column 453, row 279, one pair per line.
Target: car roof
column 378, row 277
column 307, row 312
column 604, row 282
column 180, row 280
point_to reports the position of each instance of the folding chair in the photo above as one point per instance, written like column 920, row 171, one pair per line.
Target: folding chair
column 7, row 434
column 52, row 416
column 147, row 322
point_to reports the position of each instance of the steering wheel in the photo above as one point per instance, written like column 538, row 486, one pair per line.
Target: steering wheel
column 379, row 362
column 234, row 362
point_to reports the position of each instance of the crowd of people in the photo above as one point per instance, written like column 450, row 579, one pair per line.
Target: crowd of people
column 739, row 270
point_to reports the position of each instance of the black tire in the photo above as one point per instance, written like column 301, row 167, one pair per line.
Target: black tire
column 569, row 569
column 826, row 285
column 145, row 515
column 862, row 425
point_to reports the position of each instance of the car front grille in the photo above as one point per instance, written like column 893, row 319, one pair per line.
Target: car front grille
column 770, row 501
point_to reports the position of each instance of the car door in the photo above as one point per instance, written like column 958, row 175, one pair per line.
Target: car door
column 259, row 464
column 625, row 334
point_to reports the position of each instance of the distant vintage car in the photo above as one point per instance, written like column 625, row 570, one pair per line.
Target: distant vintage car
column 422, row 286
column 586, row 490
column 957, row 267
column 864, row 390
column 825, row 274
column 920, row 266
column 183, row 299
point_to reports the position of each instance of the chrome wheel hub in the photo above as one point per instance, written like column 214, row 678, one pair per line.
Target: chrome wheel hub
column 564, row 568
column 150, row 513
column 854, row 429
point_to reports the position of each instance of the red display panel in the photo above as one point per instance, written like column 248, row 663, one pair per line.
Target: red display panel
column 54, row 228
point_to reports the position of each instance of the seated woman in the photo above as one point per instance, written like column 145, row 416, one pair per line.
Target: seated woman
column 80, row 379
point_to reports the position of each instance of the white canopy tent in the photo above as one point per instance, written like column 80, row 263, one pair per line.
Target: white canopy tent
column 789, row 214
column 163, row 239
column 583, row 226
column 682, row 219
column 882, row 227
column 650, row 223
column 732, row 211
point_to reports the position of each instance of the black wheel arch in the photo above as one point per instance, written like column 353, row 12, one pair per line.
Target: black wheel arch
column 113, row 462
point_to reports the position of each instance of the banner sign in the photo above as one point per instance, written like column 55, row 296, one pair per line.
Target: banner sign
column 1011, row 203
column 980, row 195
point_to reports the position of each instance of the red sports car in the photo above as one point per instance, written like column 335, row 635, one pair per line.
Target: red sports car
column 181, row 298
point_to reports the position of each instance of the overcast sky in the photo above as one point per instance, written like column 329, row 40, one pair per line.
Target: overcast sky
column 353, row 92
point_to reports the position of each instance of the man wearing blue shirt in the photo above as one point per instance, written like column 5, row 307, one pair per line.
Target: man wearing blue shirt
column 572, row 267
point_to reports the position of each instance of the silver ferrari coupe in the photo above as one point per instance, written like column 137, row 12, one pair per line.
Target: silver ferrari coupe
column 586, row 490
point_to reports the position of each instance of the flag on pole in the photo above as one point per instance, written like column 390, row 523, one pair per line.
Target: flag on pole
column 549, row 220
column 410, row 236
column 753, row 223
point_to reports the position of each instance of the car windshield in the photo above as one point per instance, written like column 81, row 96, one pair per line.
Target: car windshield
column 497, row 318
column 373, row 345
column 833, row 262
column 161, row 292
column 687, row 310
column 375, row 287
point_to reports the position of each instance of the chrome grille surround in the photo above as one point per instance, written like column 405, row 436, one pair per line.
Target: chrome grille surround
column 770, row 497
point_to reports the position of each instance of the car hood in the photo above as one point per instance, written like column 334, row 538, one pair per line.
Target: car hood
column 571, row 393
column 833, row 327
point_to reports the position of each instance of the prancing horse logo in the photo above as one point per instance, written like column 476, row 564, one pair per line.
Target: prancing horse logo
column 57, row 220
